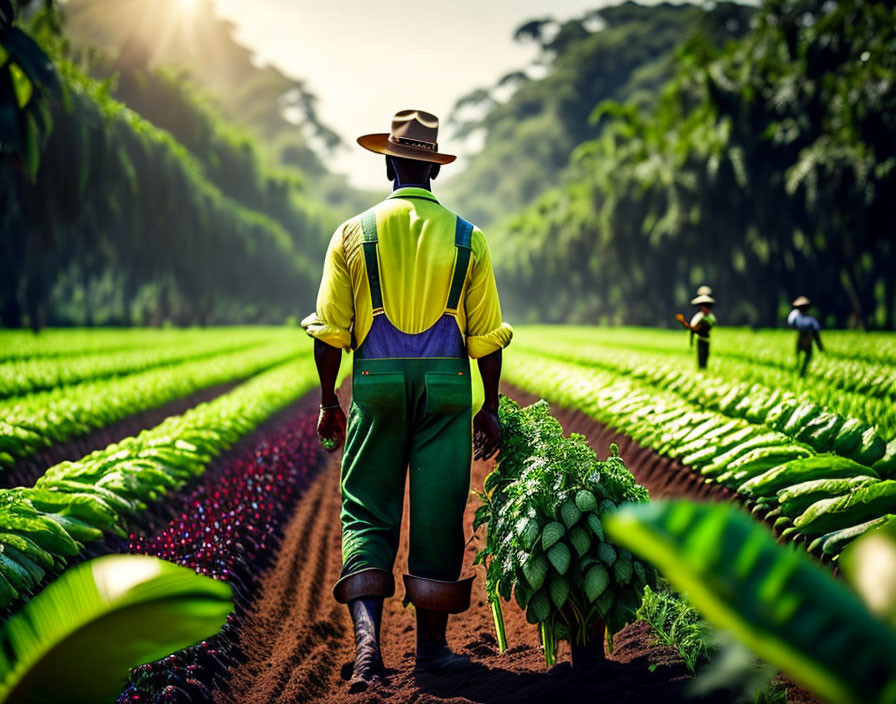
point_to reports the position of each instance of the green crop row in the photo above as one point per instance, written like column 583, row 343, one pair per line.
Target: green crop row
column 766, row 351
column 65, row 342
column 865, row 406
column 749, row 454
column 78, row 502
column 738, row 399
column 31, row 423
column 19, row 377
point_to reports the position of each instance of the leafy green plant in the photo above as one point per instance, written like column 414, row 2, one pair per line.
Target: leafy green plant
column 77, row 640
column 545, row 543
column 782, row 606
column 676, row 624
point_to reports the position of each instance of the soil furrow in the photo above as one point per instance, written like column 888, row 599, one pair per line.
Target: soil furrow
column 292, row 633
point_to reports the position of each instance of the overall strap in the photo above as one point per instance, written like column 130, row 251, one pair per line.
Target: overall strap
column 368, row 228
column 463, row 232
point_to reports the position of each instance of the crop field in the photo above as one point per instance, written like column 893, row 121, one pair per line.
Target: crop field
column 814, row 456
column 199, row 447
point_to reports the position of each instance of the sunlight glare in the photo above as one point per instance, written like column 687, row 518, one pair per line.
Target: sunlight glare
column 189, row 6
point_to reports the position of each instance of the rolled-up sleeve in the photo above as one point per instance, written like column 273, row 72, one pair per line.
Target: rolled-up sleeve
column 332, row 321
column 486, row 331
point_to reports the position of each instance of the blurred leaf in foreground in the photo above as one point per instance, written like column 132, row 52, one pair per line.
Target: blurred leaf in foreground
column 869, row 565
column 76, row 641
column 780, row 604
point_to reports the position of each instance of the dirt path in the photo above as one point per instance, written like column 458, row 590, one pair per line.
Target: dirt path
column 298, row 645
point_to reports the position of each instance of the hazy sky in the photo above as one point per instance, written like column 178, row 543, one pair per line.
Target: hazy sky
column 367, row 59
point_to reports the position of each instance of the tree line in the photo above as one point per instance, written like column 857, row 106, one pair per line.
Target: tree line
column 767, row 169
column 116, row 217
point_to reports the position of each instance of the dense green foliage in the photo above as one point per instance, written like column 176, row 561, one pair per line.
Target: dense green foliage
column 182, row 69
column 155, row 209
column 621, row 53
column 76, row 641
column 783, row 607
column 167, row 33
column 767, row 169
column 545, row 544
column 139, row 220
column 28, row 87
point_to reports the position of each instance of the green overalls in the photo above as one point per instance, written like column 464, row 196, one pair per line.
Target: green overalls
column 410, row 414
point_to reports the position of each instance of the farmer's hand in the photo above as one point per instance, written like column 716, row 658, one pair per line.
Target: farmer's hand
column 486, row 433
column 331, row 427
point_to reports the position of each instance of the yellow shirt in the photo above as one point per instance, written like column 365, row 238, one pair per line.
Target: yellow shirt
column 416, row 255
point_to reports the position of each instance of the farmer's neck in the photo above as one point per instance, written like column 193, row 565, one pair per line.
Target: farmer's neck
column 405, row 173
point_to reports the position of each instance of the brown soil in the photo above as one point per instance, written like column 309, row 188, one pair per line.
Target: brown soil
column 297, row 641
column 26, row 471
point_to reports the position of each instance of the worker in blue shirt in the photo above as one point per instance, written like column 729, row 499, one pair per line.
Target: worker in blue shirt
column 808, row 331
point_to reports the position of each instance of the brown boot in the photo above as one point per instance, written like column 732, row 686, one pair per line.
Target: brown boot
column 434, row 601
column 364, row 593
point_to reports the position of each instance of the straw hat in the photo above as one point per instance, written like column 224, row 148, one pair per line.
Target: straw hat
column 704, row 290
column 703, row 300
column 414, row 136
column 801, row 302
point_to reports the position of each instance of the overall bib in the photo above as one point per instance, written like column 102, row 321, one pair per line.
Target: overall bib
column 410, row 416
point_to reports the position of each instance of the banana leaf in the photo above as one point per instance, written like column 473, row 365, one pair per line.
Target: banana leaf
column 76, row 641
column 784, row 607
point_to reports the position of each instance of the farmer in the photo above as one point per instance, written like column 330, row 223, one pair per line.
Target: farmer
column 701, row 323
column 408, row 285
column 808, row 331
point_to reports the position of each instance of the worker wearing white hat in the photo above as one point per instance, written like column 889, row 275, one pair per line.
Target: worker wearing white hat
column 808, row 331
column 701, row 323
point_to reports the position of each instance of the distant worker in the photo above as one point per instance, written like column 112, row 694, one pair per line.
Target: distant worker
column 808, row 330
column 701, row 323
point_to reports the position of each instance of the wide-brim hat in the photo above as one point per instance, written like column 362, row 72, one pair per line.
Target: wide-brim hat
column 704, row 290
column 800, row 302
column 414, row 136
column 703, row 300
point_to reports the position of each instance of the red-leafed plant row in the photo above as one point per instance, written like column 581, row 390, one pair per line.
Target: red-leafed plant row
column 228, row 528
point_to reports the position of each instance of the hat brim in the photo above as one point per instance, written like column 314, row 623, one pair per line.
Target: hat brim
column 700, row 300
column 380, row 144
